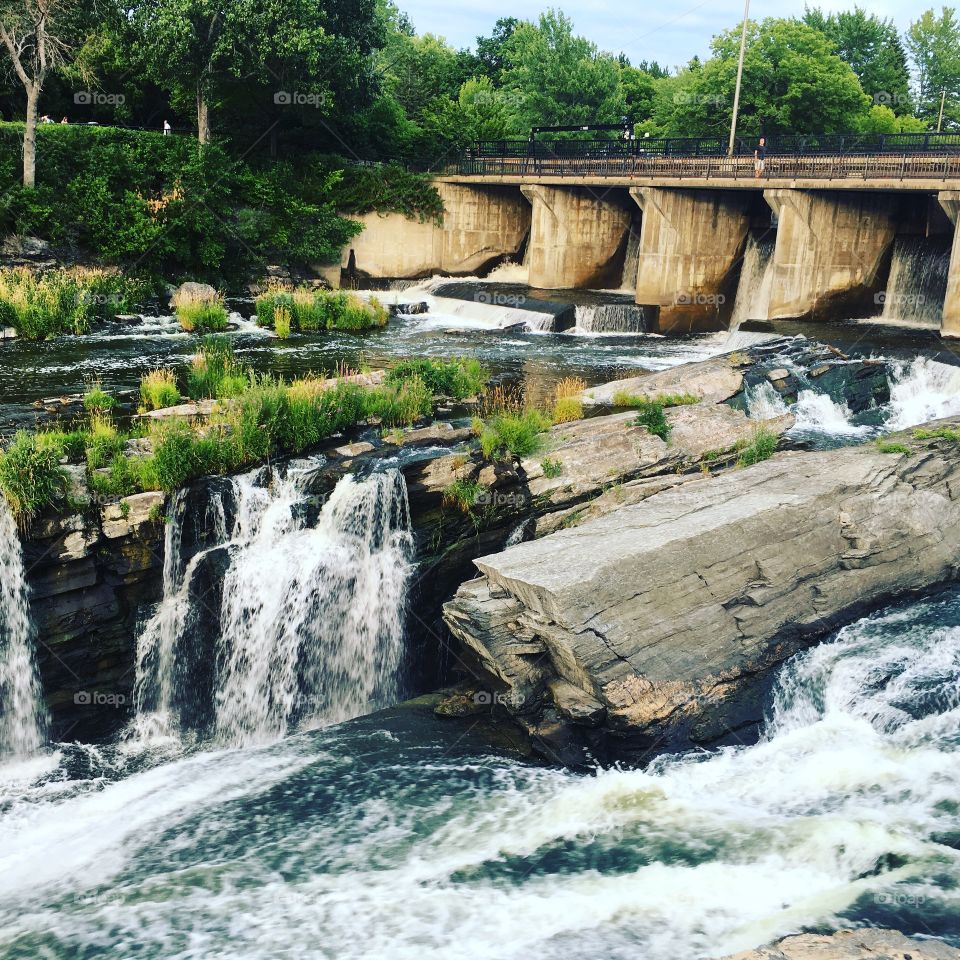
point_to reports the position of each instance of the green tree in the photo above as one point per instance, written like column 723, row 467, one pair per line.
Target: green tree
column 480, row 112
column 491, row 51
column 560, row 78
column 639, row 89
column 793, row 82
column 874, row 50
column 934, row 45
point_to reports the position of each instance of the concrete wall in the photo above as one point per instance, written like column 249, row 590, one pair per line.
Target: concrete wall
column 832, row 251
column 481, row 225
column 691, row 244
column 950, row 324
column 577, row 236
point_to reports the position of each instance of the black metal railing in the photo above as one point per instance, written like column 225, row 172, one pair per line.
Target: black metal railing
column 809, row 155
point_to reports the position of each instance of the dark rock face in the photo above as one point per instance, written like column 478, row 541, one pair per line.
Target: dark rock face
column 656, row 626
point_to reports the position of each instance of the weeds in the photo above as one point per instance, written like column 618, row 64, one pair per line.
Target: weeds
column 97, row 401
column 761, row 446
column 158, row 389
column 309, row 310
column 511, row 435
column 887, row 446
column 31, row 476
column 201, row 314
column 552, row 469
column 460, row 378
column 650, row 415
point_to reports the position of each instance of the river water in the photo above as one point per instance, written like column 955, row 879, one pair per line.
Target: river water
column 398, row 836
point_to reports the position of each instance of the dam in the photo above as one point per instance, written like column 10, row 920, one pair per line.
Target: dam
column 577, row 215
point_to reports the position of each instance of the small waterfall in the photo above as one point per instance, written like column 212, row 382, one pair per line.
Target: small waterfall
column 764, row 403
column 281, row 621
column 610, row 318
column 917, row 283
column 23, row 719
column 756, row 277
column 510, row 272
column 920, row 391
column 819, row 413
column 631, row 260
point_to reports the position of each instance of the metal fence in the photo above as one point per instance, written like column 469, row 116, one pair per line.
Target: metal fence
column 903, row 155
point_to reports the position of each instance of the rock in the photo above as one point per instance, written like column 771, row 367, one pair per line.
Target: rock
column 713, row 380
column 123, row 518
column 78, row 492
column 192, row 291
column 354, row 449
column 865, row 944
column 434, row 434
column 28, row 247
column 672, row 611
column 8, row 333
column 195, row 408
column 413, row 309
column 775, row 376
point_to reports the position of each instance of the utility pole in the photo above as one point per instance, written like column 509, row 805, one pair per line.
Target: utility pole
column 943, row 100
column 736, row 95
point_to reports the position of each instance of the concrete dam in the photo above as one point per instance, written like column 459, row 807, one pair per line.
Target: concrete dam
column 832, row 243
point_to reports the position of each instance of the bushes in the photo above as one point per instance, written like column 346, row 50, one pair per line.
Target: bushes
column 459, row 379
column 307, row 311
column 64, row 301
column 158, row 389
column 201, row 314
column 650, row 415
column 512, row 434
column 31, row 476
column 762, row 446
column 97, row 400
column 213, row 373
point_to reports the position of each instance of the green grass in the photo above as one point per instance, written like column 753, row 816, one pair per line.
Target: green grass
column 463, row 495
column 31, row 476
column 459, row 378
column 158, row 389
column 943, row 433
column 214, row 373
column 97, row 400
column 306, row 310
column 650, row 415
column 198, row 315
column 511, row 434
column 551, row 469
column 761, row 446
column 633, row 401
column 887, row 446
column 567, row 409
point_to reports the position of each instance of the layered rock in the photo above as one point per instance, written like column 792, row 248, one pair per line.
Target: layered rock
column 866, row 944
column 656, row 626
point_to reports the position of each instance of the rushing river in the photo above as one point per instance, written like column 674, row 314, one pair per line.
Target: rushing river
column 398, row 836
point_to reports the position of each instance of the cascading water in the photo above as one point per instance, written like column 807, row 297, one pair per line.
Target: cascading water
column 22, row 716
column 922, row 390
column 610, row 318
column 917, row 283
column 307, row 619
column 631, row 259
column 756, row 277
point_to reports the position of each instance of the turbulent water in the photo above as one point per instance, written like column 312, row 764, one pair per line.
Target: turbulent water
column 22, row 717
column 756, row 276
column 394, row 836
column 307, row 618
column 917, row 283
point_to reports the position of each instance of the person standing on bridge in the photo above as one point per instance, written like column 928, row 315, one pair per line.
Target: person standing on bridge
column 760, row 157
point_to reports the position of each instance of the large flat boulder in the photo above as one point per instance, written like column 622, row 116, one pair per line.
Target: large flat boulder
column 671, row 612
column 866, row 944
column 713, row 380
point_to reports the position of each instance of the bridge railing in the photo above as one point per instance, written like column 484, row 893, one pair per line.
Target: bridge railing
column 836, row 155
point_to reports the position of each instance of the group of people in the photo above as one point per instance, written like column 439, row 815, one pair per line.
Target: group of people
column 167, row 129
column 46, row 119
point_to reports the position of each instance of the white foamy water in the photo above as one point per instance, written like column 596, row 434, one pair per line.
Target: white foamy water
column 358, row 844
column 922, row 390
column 756, row 278
column 309, row 617
column 22, row 715
column 815, row 413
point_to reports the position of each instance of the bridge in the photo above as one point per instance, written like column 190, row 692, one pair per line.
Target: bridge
column 833, row 206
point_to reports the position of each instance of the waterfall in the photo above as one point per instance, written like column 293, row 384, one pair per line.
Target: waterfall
column 917, row 283
column 610, row 318
column 764, row 402
column 282, row 621
column 23, row 718
column 756, row 277
column 631, row 260
column 920, row 391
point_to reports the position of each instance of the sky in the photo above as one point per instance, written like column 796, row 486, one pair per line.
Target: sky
column 668, row 31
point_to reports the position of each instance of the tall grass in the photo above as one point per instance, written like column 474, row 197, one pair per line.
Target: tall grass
column 201, row 314
column 311, row 310
column 31, row 477
column 158, row 389
column 459, row 378
column 568, row 403
column 214, row 373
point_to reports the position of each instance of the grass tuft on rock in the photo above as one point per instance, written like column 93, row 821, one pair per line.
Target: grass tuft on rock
column 31, row 476
column 761, row 446
column 158, row 390
column 459, row 378
column 201, row 314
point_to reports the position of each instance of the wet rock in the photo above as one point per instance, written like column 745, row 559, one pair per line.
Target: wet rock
column 713, row 380
column 673, row 611
column 192, row 291
column 123, row 518
column 775, row 376
column 852, row 945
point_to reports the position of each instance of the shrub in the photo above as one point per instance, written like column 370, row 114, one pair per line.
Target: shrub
column 31, row 476
column 516, row 435
column 650, row 415
column 552, row 469
column 762, row 446
column 97, row 401
column 460, row 378
column 281, row 322
column 158, row 389
column 887, row 446
column 463, row 495
column 567, row 409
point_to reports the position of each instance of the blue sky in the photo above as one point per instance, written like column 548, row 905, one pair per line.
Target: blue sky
column 670, row 31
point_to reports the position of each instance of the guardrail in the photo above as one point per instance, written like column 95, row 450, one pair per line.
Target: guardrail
column 890, row 166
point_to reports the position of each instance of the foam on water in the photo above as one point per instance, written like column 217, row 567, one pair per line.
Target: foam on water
column 922, row 390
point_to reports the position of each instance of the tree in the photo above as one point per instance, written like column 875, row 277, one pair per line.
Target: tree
column 480, row 112
column 416, row 70
column 874, row 50
column 37, row 36
column 934, row 45
column 198, row 49
column 639, row 88
column 490, row 56
column 559, row 78
column 793, row 82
